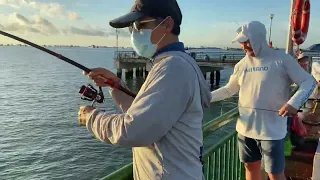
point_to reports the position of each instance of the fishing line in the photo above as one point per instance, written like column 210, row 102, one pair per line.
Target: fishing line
column 265, row 109
column 59, row 56
column 258, row 108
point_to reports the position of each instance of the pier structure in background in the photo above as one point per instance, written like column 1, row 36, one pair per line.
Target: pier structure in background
column 210, row 63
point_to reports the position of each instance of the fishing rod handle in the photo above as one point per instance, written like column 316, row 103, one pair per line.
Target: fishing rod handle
column 121, row 88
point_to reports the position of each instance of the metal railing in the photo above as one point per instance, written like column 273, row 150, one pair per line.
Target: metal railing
column 315, row 58
column 122, row 55
column 222, row 57
column 198, row 56
column 217, row 56
column 220, row 160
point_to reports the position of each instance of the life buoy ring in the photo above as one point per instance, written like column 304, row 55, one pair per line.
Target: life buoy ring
column 300, row 21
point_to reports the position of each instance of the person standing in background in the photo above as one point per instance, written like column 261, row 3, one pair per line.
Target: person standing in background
column 263, row 78
column 304, row 62
column 315, row 71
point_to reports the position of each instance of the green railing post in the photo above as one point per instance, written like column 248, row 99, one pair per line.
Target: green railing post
column 228, row 170
column 243, row 172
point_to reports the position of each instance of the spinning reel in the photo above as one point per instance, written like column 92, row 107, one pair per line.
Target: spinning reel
column 89, row 93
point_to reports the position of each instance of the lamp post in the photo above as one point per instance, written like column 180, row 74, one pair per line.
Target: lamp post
column 289, row 46
column 271, row 18
column 117, row 37
column 117, row 33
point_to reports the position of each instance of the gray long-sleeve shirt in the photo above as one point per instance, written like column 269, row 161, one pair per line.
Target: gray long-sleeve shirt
column 163, row 123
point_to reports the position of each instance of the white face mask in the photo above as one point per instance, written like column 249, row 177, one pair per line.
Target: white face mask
column 141, row 42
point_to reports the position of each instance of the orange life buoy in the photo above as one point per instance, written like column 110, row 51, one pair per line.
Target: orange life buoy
column 300, row 21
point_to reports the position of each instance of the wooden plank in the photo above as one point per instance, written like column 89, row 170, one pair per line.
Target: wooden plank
column 316, row 163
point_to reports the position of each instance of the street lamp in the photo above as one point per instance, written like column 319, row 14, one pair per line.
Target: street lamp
column 271, row 17
column 117, row 37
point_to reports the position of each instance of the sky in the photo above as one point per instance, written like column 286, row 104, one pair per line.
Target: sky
column 86, row 22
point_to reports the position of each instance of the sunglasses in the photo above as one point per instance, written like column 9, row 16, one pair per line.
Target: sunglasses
column 138, row 25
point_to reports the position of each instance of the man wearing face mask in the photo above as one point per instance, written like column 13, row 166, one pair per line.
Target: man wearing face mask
column 163, row 123
column 263, row 78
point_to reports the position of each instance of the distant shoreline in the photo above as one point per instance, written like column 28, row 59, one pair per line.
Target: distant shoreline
column 130, row 48
column 114, row 47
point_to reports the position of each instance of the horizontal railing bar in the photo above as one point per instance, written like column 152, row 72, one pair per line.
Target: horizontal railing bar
column 220, row 121
column 124, row 173
column 217, row 145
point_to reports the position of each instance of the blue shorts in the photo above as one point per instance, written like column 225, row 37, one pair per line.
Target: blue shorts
column 271, row 152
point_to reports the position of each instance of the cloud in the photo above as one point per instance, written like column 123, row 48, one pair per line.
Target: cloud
column 85, row 31
column 121, row 32
column 44, row 9
column 17, row 18
column 16, row 4
column 21, row 24
column 90, row 31
column 53, row 10
column 20, row 28
column 74, row 16
column 12, row 3
column 45, row 26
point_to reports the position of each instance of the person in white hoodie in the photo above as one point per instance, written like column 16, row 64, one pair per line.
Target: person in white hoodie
column 315, row 71
column 304, row 62
column 163, row 123
column 263, row 78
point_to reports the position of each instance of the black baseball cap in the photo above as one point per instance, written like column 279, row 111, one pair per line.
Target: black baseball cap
column 152, row 8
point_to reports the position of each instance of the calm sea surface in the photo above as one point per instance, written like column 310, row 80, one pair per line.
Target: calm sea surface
column 39, row 134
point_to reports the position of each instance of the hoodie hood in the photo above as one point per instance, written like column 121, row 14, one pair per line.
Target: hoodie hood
column 256, row 33
column 205, row 92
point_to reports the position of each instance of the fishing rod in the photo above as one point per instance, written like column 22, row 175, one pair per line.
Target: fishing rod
column 93, row 95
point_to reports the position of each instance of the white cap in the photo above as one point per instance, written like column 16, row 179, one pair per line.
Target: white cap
column 241, row 37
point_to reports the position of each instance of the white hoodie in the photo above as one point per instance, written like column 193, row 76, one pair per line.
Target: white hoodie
column 316, row 70
column 163, row 123
column 263, row 82
column 316, row 74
